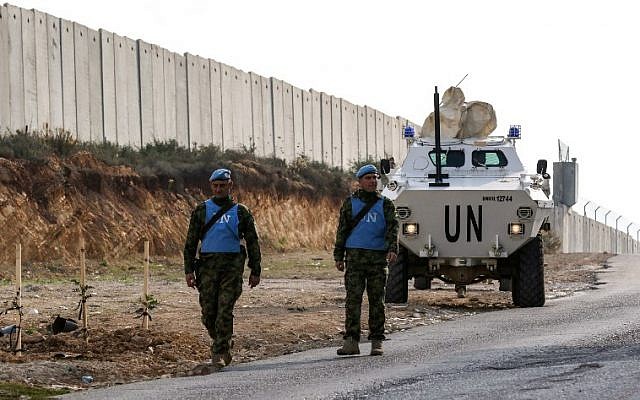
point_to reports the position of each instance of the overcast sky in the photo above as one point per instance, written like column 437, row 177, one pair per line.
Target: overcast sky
column 562, row 70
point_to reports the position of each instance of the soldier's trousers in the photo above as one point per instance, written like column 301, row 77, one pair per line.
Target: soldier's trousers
column 358, row 277
column 220, row 287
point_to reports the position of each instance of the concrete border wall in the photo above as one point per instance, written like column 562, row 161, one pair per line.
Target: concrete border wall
column 581, row 234
column 104, row 87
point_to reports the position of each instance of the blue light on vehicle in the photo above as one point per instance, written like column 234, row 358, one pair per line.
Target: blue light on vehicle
column 514, row 131
column 409, row 132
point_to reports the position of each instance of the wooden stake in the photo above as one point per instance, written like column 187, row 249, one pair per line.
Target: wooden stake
column 145, row 291
column 83, row 283
column 19, row 296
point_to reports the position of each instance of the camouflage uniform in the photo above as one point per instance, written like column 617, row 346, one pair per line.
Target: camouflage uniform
column 219, row 276
column 365, row 269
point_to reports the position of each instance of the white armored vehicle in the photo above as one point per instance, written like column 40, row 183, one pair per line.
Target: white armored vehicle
column 469, row 215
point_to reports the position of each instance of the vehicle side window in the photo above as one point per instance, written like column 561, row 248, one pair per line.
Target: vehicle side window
column 488, row 158
column 449, row 158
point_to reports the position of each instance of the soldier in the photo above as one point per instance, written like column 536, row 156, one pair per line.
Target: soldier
column 216, row 269
column 367, row 232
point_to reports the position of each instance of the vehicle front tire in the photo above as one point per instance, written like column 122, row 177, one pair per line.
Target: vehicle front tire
column 528, row 280
column 397, row 289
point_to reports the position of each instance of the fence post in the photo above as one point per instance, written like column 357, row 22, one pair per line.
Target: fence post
column 83, row 283
column 145, row 291
column 19, row 297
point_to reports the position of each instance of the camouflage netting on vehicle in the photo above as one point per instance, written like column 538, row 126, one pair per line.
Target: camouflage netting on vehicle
column 460, row 119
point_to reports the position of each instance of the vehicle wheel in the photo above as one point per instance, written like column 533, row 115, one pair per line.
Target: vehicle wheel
column 397, row 290
column 422, row 282
column 528, row 280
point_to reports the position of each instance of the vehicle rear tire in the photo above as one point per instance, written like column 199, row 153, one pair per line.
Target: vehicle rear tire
column 422, row 282
column 397, row 289
column 528, row 280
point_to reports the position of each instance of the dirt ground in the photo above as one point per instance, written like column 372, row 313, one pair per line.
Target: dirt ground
column 298, row 305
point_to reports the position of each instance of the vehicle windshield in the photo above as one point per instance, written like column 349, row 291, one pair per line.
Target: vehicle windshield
column 448, row 158
column 488, row 158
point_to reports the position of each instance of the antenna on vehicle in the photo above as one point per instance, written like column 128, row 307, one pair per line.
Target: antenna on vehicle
column 436, row 116
column 458, row 84
column 463, row 78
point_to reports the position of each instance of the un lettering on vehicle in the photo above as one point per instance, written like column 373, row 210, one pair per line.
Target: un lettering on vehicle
column 457, row 216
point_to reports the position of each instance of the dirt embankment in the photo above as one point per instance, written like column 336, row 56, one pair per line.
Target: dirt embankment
column 49, row 205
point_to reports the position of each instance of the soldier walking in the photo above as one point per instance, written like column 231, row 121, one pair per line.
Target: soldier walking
column 219, row 224
column 367, row 233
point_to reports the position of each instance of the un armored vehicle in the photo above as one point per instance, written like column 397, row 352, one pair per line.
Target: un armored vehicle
column 469, row 215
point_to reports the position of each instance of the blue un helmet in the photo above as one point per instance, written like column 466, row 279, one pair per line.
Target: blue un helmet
column 221, row 174
column 366, row 169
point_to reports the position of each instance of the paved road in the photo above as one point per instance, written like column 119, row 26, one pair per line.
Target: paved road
column 586, row 346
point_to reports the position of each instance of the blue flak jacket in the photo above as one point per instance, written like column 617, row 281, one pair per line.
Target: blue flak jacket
column 370, row 231
column 223, row 236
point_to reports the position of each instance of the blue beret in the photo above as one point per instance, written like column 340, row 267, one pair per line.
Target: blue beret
column 366, row 169
column 221, row 174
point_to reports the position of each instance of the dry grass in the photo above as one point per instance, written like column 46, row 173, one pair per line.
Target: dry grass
column 293, row 223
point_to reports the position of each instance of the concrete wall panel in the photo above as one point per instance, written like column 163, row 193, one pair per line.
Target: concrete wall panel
column 256, row 113
column 237, row 108
column 206, row 136
column 226, row 79
column 287, row 127
column 95, row 86
column 29, row 69
column 108, row 73
column 402, row 151
column 216, row 103
column 121, row 89
column 245, row 104
column 169, row 70
column 307, row 124
column 362, row 133
column 81, row 61
column 54, row 65
column 278, row 118
column 371, row 132
column 68, row 77
column 317, row 125
column 298, row 132
column 5, row 120
column 146, row 92
column 325, row 126
column 193, row 100
column 133, row 97
column 16, row 71
column 396, row 139
column 388, row 136
column 336, row 131
column 349, row 129
column 379, row 135
column 157, row 78
column 267, row 118
column 182, row 118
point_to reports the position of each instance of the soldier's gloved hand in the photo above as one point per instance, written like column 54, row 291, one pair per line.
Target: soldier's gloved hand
column 340, row 265
column 191, row 279
column 253, row 281
column 391, row 257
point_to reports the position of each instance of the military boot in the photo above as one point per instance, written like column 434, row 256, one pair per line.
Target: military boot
column 349, row 347
column 376, row 348
column 218, row 360
column 226, row 357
